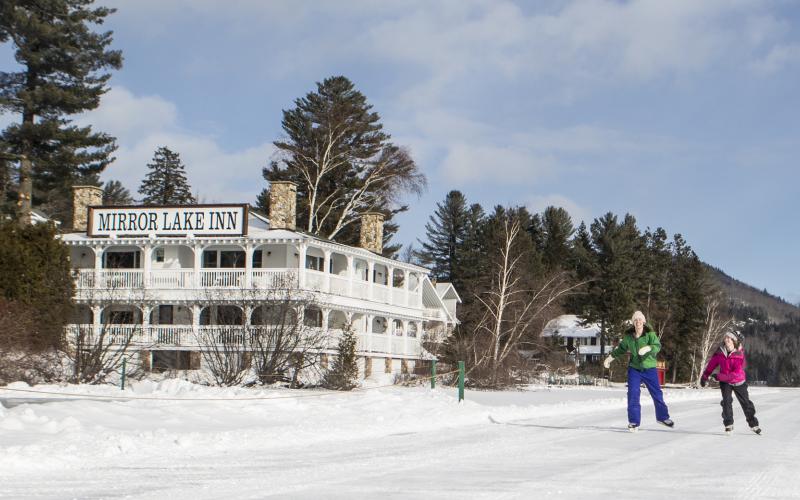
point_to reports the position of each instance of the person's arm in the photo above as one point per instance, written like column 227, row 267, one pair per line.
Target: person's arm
column 621, row 349
column 712, row 363
column 652, row 347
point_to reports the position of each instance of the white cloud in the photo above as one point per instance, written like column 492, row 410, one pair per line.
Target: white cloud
column 467, row 163
column 537, row 204
column 144, row 123
column 778, row 58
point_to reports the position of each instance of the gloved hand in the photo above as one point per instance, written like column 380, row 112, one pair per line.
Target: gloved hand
column 644, row 350
column 703, row 382
column 607, row 361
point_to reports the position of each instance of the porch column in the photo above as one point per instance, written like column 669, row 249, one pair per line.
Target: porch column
column 301, row 265
column 196, row 308
column 147, row 265
column 368, row 331
column 326, row 312
column 350, row 273
column 405, row 287
column 326, row 268
column 405, row 336
column 97, row 312
column 147, row 335
column 98, row 265
column 248, row 266
column 370, row 279
column 390, row 283
column 198, row 259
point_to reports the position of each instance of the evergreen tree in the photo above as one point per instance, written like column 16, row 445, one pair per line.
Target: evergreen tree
column 343, row 375
column 610, row 265
column 62, row 74
column 35, row 275
column 689, row 289
column 343, row 163
column 446, row 231
column 114, row 193
column 557, row 231
column 165, row 183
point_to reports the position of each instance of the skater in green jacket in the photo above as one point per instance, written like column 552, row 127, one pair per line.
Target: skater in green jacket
column 643, row 345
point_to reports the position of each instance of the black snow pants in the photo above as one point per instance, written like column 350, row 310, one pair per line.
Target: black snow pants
column 744, row 399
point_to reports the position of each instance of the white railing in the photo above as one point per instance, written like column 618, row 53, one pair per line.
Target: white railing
column 116, row 279
column 315, row 280
column 222, row 278
column 274, row 278
column 432, row 313
column 339, row 284
column 360, row 289
column 380, row 293
column 176, row 335
column 171, row 279
column 187, row 279
column 154, row 336
column 399, row 297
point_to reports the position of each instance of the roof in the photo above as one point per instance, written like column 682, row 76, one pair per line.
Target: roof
column 568, row 325
column 447, row 291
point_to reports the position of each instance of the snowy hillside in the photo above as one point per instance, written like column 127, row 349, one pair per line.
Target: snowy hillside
column 185, row 441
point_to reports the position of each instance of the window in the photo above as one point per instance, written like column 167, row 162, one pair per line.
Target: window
column 120, row 317
column 165, row 315
column 175, row 360
column 159, row 254
column 594, row 340
column 313, row 262
column 258, row 257
column 210, row 258
column 231, row 258
column 122, row 260
column 223, row 258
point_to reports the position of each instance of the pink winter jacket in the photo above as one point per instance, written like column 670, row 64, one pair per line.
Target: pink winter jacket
column 731, row 366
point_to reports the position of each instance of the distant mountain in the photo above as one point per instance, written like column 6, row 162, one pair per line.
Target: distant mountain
column 777, row 309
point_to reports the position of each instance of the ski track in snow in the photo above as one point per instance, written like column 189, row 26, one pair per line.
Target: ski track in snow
column 400, row 443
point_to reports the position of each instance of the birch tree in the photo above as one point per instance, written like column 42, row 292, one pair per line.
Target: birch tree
column 514, row 302
column 715, row 325
column 335, row 149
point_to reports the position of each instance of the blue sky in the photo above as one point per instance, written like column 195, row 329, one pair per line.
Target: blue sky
column 683, row 113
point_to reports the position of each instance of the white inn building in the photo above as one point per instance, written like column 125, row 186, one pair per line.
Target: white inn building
column 160, row 279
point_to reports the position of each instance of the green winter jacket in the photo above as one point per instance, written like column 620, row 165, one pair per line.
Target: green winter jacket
column 632, row 345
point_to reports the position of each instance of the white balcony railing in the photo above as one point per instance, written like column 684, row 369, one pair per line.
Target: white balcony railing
column 170, row 336
column 186, row 279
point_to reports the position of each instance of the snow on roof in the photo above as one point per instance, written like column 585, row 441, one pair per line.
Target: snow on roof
column 568, row 325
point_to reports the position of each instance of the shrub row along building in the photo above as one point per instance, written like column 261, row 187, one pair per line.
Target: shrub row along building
column 169, row 282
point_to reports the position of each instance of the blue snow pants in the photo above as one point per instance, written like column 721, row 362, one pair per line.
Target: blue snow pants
column 650, row 378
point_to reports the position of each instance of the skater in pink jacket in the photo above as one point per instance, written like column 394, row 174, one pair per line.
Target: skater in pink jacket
column 732, row 380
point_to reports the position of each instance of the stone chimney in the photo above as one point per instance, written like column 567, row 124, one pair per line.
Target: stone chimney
column 372, row 232
column 282, row 205
column 84, row 197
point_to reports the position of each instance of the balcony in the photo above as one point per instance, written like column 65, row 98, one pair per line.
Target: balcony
column 87, row 280
column 188, row 336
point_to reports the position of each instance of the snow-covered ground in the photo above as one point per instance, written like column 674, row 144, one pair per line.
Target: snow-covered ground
column 187, row 441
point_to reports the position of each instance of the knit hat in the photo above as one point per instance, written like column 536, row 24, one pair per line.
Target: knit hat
column 735, row 336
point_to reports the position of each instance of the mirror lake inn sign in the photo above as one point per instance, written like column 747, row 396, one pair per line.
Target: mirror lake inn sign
column 197, row 220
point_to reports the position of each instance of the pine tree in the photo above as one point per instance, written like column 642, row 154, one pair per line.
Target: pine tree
column 343, row 163
column 62, row 75
column 446, row 232
column 343, row 375
column 165, row 183
column 114, row 193
column 557, row 231
column 689, row 289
